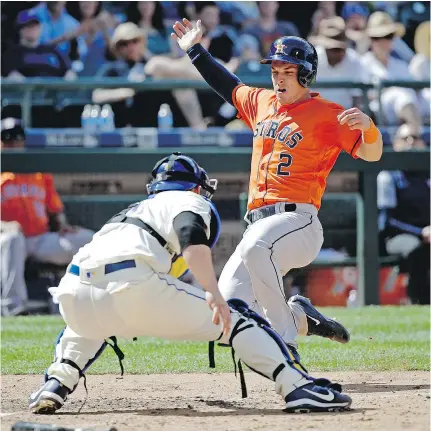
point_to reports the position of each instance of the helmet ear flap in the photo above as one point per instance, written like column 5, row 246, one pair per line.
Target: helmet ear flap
column 306, row 77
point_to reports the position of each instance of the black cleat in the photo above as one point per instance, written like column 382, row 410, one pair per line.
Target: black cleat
column 320, row 325
column 314, row 398
column 49, row 398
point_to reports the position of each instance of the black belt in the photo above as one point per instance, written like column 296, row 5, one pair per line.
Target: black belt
column 270, row 210
column 141, row 224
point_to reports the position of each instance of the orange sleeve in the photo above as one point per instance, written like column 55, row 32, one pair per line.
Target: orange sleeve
column 344, row 138
column 53, row 201
column 245, row 100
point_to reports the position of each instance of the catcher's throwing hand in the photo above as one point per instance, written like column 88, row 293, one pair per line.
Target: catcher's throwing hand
column 355, row 119
column 221, row 311
column 187, row 34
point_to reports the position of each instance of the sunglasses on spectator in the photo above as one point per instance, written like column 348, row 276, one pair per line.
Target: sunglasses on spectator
column 124, row 43
column 387, row 37
column 336, row 50
column 410, row 137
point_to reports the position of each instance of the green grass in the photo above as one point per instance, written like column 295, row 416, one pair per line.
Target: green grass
column 383, row 338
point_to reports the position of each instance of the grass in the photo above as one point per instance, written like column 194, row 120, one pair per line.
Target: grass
column 383, row 338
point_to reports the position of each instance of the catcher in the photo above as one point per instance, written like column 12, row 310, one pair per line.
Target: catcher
column 120, row 284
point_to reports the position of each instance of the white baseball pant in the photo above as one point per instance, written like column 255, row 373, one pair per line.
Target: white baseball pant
column 50, row 247
column 56, row 248
column 13, row 253
column 270, row 248
column 140, row 302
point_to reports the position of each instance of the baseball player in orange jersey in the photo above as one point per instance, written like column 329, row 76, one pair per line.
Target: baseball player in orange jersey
column 297, row 139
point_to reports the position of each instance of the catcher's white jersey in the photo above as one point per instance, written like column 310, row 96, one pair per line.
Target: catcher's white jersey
column 120, row 241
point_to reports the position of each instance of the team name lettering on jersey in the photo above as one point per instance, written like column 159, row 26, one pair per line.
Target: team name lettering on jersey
column 269, row 129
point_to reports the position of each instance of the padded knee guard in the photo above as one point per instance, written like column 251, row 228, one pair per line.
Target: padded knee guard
column 259, row 347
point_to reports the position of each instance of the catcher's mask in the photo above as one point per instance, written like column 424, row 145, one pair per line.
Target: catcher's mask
column 180, row 172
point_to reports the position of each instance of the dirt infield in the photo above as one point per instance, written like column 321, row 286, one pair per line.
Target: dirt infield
column 381, row 401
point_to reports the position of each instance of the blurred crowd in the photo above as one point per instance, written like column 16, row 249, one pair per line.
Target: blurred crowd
column 356, row 41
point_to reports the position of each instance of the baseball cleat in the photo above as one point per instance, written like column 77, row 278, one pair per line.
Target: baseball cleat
column 313, row 398
column 320, row 325
column 49, row 398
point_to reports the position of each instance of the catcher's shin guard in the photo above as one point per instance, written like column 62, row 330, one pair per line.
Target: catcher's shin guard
column 259, row 347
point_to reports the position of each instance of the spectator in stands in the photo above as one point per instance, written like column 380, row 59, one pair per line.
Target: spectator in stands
column 149, row 16
column 355, row 16
column 267, row 28
column 29, row 204
column 399, row 104
column 221, row 39
column 325, row 10
column 96, row 27
column 241, row 13
column 29, row 58
column 129, row 46
column 419, row 66
column 337, row 62
column 404, row 202
column 56, row 22
column 220, row 42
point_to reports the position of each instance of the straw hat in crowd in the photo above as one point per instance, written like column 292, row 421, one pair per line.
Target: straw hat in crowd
column 125, row 32
column 422, row 39
column 381, row 24
column 331, row 34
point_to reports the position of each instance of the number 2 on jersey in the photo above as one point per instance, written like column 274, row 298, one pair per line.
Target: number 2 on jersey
column 285, row 163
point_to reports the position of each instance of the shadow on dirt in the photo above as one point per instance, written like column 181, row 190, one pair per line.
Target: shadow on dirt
column 192, row 412
column 364, row 388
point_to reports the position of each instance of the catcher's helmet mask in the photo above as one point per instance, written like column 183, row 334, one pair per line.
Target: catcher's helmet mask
column 295, row 50
column 180, row 172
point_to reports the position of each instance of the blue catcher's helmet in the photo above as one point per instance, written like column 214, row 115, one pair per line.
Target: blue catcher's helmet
column 294, row 50
column 180, row 172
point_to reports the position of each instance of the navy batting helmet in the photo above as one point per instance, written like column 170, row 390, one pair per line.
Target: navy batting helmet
column 180, row 172
column 292, row 49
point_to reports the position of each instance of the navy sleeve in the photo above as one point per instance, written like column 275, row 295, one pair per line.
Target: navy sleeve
column 65, row 63
column 190, row 229
column 217, row 76
column 11, row 61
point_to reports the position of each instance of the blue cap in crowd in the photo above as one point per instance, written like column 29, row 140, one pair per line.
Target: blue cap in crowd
column 26, row 17
column 353, row 8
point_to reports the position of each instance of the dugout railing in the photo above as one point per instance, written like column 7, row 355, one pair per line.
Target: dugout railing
column 61, row 93
column 225, row 160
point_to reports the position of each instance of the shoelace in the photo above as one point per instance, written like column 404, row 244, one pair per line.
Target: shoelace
column 117, row 351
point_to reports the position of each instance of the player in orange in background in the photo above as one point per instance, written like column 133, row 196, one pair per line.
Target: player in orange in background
column 297, row 139
column 29, row 202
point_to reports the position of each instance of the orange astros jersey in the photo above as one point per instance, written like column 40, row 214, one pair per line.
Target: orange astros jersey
column 294, row 146
column 27, row 199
